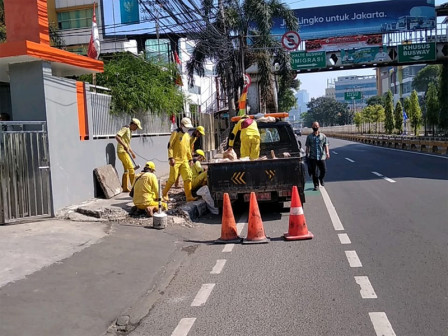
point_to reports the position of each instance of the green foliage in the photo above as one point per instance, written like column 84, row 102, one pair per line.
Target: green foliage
column 389, row 112
column 429, row 74
column 55, row 37
column 398, row 116
column 358, row 119
column 432, row 105
column 375, row 114
column 375, row 100
column 328, row 112
column 236, row 20
column 443, row 97
column 286, row 100
column 2, row 22
column 140, row 86
column 415, row 112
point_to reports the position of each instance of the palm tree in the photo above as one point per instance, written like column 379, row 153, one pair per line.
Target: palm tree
column 224, row 40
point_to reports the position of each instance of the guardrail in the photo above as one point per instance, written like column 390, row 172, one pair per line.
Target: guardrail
column 436, row 145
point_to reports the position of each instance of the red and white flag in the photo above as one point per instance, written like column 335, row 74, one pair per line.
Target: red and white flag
column 179, row 69
column 94, row 44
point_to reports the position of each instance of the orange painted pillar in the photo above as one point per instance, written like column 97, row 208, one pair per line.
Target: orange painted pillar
column 27, row 20
column 82, row 111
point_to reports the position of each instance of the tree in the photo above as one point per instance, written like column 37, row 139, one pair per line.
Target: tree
column 415, row 112
column 139, row 86
column 443, row 97
column 374, row 113
column 375, row 100
column 235, row 22
column 327, row 111
column 2, row 22
column 358, row 119
column 432, row 106
column 389, row 112
column 429, row 74
column 398, row 116
column 286, row 100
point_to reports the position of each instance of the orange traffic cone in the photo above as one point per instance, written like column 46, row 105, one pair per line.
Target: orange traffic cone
column 228, row 227
column 297, row 225
column 255, row 230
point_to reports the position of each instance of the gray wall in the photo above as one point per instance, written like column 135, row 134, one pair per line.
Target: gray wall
column 72, row 161
column 27, row 91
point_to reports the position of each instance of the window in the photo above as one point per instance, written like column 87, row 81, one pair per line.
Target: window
column 269, row 135
column 79, row 18
column 158, row 50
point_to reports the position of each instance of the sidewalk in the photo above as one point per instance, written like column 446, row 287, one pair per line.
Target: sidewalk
column 66, row 277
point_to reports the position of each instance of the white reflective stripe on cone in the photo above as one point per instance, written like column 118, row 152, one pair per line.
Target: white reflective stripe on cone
column 296, row 211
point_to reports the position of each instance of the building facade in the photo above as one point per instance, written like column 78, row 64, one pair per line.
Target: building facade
column 360, row 87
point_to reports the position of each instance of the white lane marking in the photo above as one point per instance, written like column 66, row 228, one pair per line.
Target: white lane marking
column 384, row 177
column 353, row 259
column 183, row 327
column 217, row 269
column 367, row 291
column 381, row 324
column 239, row 228
column 331, row 211
column 202, row 295
column 334, row 152
column 350, row 160
column 343, row 238
column 228, row 248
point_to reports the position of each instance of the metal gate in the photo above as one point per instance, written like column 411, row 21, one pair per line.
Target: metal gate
column 25, row 190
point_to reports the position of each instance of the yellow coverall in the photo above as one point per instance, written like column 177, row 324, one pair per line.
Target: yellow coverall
column 128, row 166
column 250, row 138
column 199, row 176
column 179, row 149
column 146, row 192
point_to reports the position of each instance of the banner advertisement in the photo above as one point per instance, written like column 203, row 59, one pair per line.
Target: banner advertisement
column 363, row 18
column 344, row 42
column 129, row 11
column 365, row 55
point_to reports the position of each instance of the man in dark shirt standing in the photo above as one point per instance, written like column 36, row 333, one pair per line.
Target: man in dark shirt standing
column 317, row 152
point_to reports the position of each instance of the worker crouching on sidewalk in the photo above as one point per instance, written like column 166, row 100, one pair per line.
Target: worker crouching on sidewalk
column 199, row 174
column 146, row 190
column 179, row 156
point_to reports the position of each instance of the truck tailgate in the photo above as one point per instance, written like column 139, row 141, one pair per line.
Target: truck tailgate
column 257, row 176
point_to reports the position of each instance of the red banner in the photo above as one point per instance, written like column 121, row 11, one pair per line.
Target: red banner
column 344, row 42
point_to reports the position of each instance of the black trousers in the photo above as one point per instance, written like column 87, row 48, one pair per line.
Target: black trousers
column 314, row 165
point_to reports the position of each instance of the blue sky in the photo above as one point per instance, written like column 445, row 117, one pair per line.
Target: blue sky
column 315, row 83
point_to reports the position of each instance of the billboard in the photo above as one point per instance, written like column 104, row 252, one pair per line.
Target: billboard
column 136, row 17
column 363, row 18
column 344, row 42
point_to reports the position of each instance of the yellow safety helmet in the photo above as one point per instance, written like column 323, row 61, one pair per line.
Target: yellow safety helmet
column 200, row 152
column 201, row 129
column 150, row 165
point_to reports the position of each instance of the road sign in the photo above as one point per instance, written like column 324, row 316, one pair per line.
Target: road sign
column 301, row 60
column 417, row 52
column 291, row 40
column 353, row 95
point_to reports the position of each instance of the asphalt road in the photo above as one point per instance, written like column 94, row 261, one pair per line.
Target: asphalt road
column 377, row 265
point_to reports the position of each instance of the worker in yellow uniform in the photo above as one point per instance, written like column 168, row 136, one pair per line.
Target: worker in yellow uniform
column 199, row 174
column 124, row 152
column 146, row 190
column 195, row 135
column 249, row 137
column 179, row 156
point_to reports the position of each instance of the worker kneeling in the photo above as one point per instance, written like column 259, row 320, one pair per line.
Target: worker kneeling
column 146, row 190
column 199, row 174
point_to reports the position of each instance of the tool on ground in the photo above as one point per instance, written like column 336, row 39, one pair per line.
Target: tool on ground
column 160, row 218
column 297, row 224
column 229, row 232
column 255, row 230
